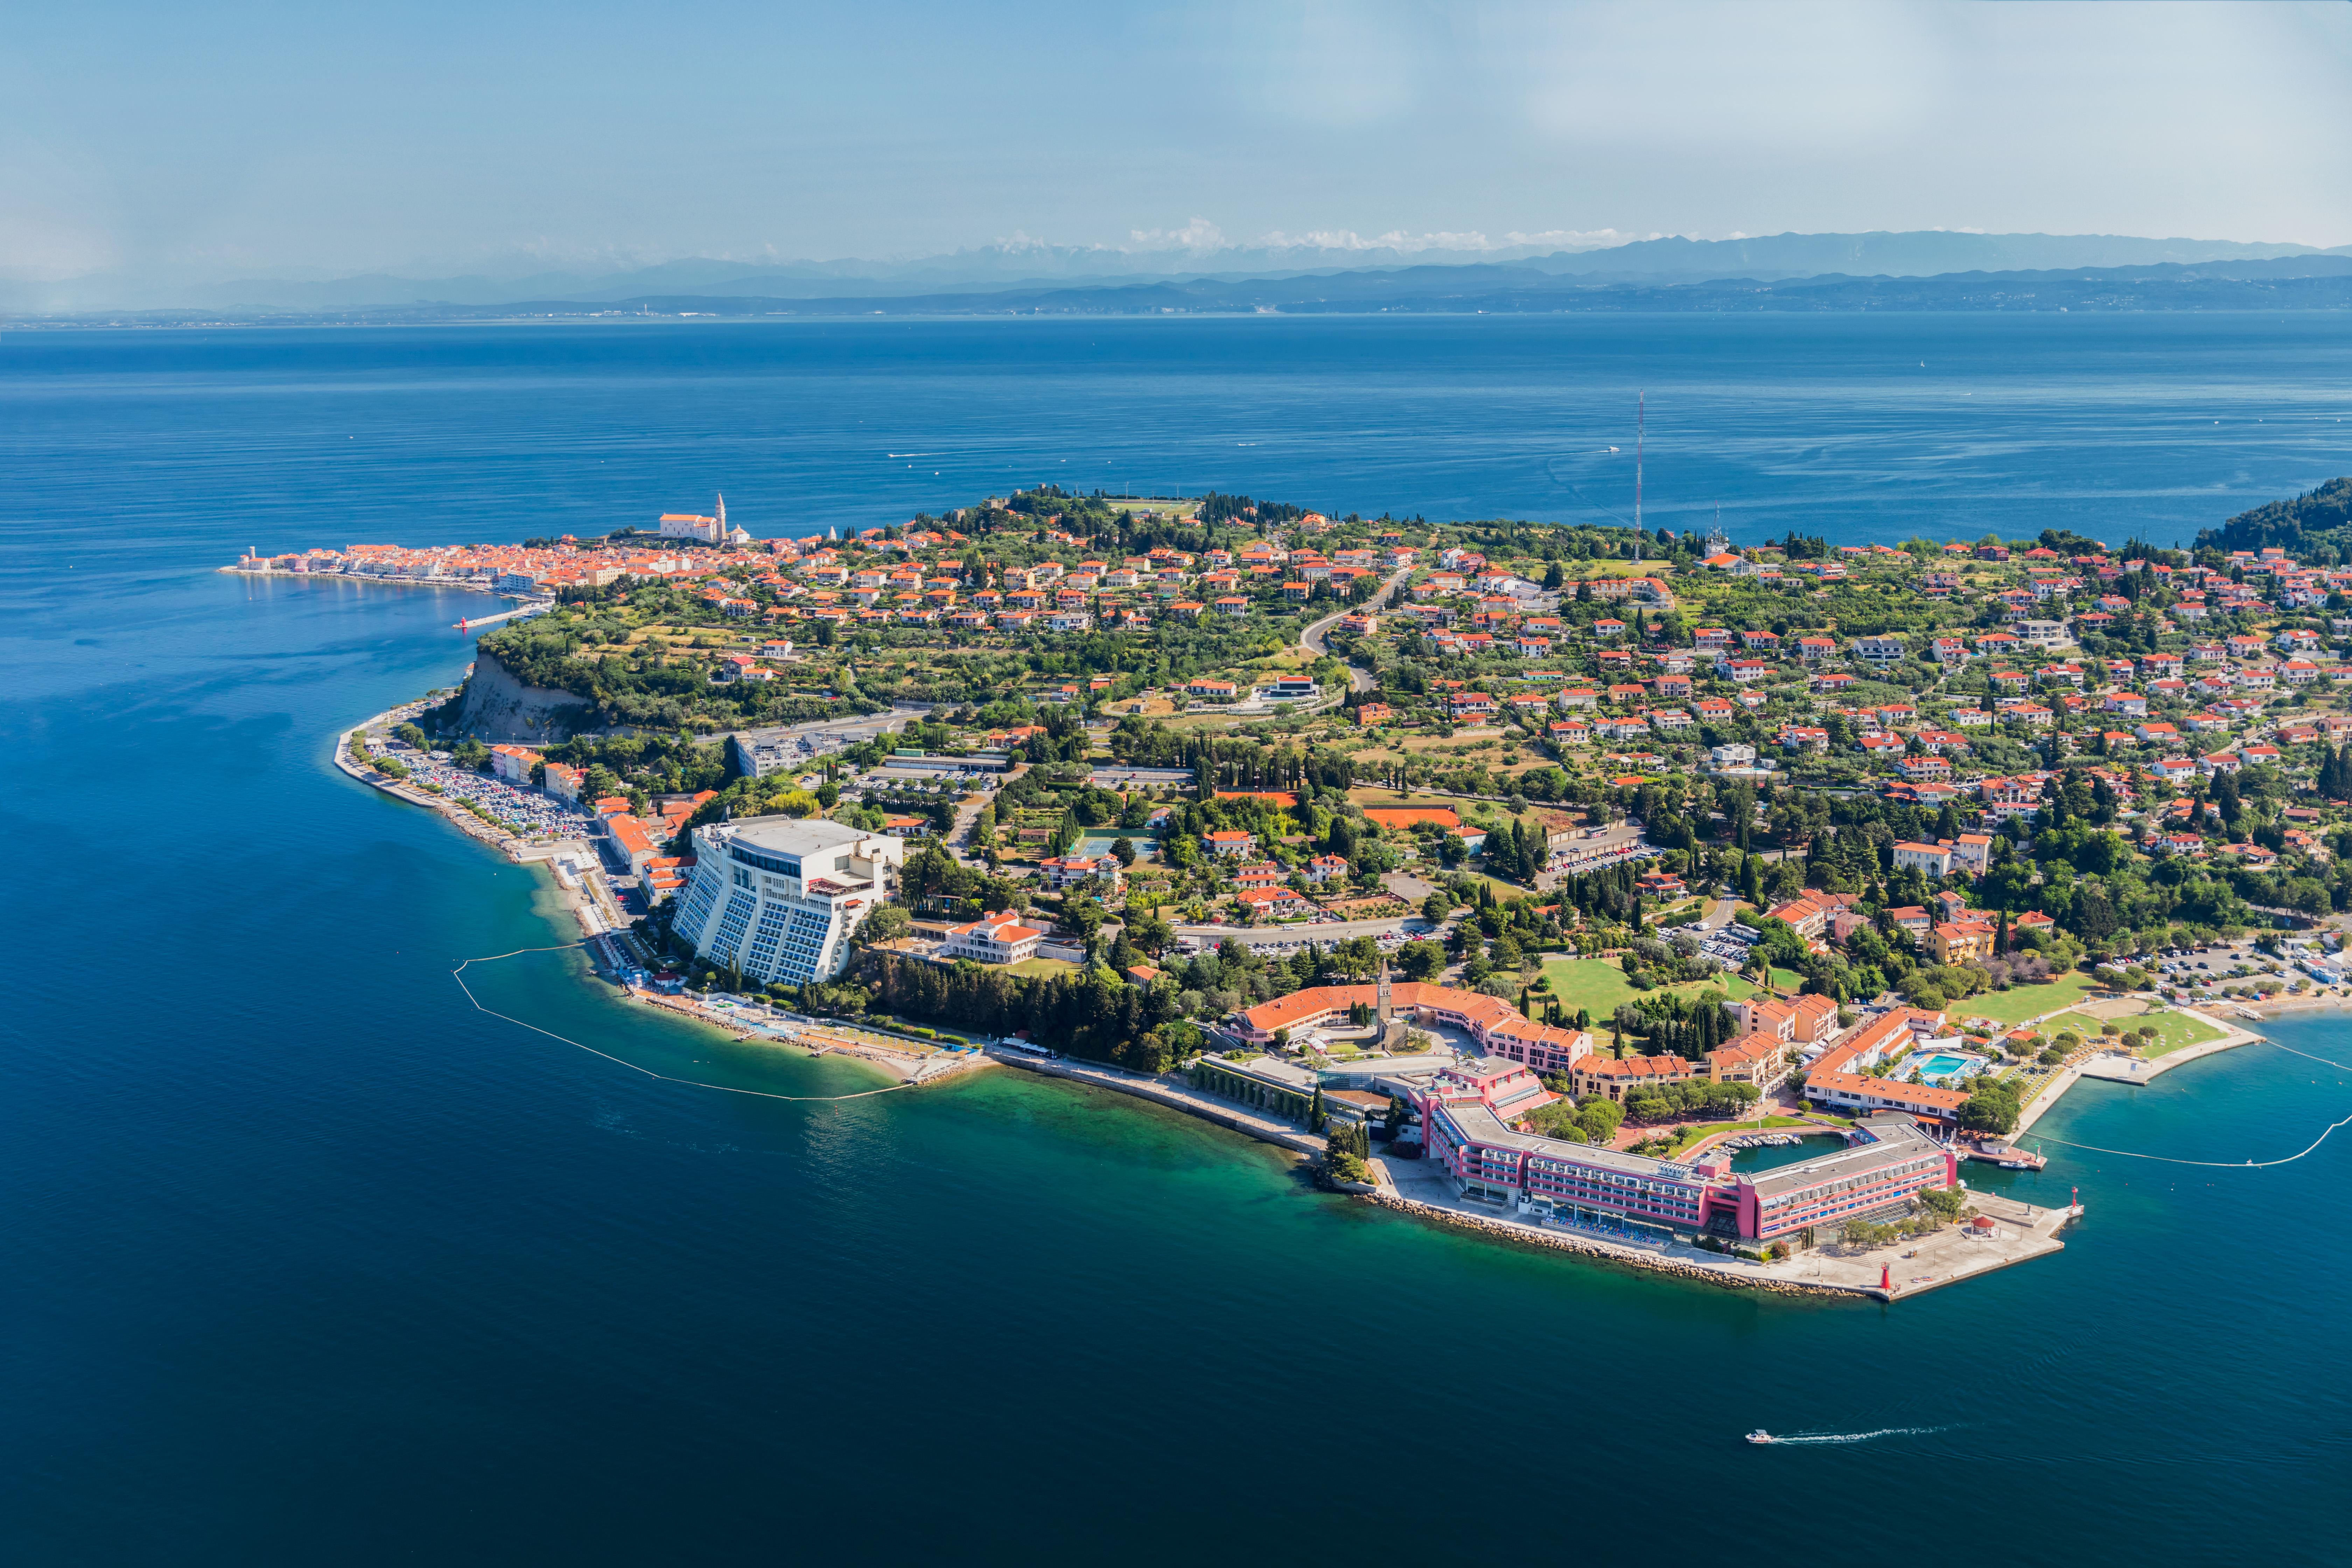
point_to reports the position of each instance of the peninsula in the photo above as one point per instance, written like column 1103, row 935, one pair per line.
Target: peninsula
column 1544, row 877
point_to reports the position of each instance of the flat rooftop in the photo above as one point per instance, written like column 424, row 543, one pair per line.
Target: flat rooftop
column 791, row 834
column 1484, row 1126
column 1896, row 1142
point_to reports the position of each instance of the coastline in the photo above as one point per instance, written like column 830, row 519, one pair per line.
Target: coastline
column 590, row 903
column 2140, row 1069
column 2021, row 1232
column 599, row 918
column 1957, row 1253
column 463, row 585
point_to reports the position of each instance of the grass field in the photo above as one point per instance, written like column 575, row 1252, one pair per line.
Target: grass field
column 1040, row 967
column 1596, row 984
column 2082, row 1024
column 2017, row 1004
column 1599, row 984
column 2173, row 1030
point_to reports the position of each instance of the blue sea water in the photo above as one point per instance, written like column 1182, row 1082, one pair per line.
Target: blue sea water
column 302, row 1259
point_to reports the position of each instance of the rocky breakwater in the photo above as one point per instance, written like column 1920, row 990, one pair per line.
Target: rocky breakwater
column 499, row 708
column 1725, row 1276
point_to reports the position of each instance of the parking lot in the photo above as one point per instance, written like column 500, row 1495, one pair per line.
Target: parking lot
column 527, row 812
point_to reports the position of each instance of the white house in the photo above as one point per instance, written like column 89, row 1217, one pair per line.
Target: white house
column 999, row 938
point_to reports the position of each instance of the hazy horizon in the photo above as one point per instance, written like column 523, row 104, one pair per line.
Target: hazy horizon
column 267, row 140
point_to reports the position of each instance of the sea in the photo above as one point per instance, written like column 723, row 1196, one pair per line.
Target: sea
column 304, row 1258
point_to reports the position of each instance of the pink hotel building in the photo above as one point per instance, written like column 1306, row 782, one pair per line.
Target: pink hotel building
column 1471, row 1115
column 1466, row 1115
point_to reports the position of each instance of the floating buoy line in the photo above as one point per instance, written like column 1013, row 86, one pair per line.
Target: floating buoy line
column 2221, row 1164
column 458, row 976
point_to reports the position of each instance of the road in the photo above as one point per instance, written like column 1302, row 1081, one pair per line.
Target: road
column 967, row 818
column 1316, row 638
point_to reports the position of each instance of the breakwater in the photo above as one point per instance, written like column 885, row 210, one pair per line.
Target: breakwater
column 1721, row 1277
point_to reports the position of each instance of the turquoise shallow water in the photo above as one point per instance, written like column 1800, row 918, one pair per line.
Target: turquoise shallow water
column 307, row 1260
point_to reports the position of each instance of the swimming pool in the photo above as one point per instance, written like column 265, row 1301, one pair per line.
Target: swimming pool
column 1945, row 1065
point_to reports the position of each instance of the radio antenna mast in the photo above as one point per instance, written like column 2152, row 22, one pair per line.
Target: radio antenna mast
column 1640, row 427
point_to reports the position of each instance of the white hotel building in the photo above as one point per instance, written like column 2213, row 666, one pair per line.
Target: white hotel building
column 779, row 896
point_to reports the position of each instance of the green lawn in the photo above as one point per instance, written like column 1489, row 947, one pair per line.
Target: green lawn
column 2082, row 1024
column 2173, row 1030
column 1040, row 967
column 1596, row 984
column 2020, row 1003
column 1599, row 984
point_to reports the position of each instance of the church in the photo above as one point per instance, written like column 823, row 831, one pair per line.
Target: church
column 708, row 530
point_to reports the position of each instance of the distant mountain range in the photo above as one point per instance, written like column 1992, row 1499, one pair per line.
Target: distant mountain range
column 2319, row 282
column 1931, row 269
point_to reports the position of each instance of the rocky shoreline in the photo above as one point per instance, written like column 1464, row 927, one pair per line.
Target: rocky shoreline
column 1499, row 1230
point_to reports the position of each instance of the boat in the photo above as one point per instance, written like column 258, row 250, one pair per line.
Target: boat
column 1760, row 1436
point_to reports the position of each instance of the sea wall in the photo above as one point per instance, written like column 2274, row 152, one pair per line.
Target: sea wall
column 1697, row 1273
column 499, row 708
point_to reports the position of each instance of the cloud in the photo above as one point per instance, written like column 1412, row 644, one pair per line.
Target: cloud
column 1200, row 235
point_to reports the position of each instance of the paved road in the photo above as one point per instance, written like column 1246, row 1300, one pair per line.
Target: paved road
column 1316, row 638
column 967, row 816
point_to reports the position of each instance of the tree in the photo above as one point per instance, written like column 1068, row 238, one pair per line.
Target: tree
column 885, row 924
column 2094, row 916
column 1346, row 1148
column 1122, row 851
column 1600, row 1118
column 1946, row 1204
column 1991, row 1108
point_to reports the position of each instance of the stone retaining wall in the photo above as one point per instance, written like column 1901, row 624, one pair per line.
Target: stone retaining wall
column 1695, row 1272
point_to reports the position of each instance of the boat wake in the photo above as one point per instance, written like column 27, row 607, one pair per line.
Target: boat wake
column 1855, row 1437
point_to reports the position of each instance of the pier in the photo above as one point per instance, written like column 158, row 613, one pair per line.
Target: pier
column 536, row 607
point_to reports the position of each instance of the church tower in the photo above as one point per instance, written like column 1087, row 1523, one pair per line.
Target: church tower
column 1381, row 1008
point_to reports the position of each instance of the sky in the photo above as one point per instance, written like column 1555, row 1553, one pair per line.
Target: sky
column 236, row 138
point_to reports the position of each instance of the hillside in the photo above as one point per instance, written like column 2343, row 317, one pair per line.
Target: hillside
column 2321, row 519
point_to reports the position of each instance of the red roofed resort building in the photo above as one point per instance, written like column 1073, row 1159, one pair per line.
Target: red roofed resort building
column 1500, row 1029
column 1469, row 1117
column 1474, row 1114
column 1841, row 1081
